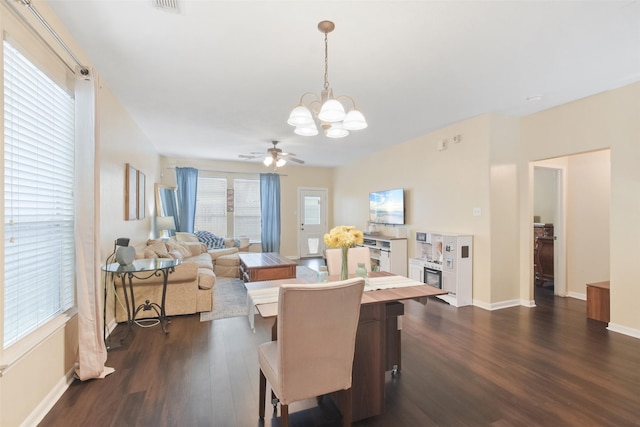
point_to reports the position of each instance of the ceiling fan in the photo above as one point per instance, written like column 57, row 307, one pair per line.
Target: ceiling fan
column 275, row 156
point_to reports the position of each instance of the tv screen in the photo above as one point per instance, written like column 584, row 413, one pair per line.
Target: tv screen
column 387, row 207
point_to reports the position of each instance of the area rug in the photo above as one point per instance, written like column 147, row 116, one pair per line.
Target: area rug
column 230, row 296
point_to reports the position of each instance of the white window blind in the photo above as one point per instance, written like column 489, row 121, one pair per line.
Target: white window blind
column 39, row 279
column 246, row 213
column 211, row 205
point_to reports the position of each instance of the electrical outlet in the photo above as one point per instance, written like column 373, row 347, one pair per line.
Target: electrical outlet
column 457, row 138
column 477, row 212
column 442, row 144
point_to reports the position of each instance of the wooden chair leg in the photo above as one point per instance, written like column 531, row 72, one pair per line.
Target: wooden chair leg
column 346, row 407
column 263, row 392
column 284, row 415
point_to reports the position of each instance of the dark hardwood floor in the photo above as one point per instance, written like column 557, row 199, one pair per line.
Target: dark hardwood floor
column 543, row 366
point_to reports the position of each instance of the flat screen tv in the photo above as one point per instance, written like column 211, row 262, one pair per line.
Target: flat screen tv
column 387, row 207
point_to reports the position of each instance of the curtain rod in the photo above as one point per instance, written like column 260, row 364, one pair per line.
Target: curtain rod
column 83, row 70
column 217, row 171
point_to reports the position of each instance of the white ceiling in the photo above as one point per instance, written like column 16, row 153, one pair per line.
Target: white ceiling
column 219, row 78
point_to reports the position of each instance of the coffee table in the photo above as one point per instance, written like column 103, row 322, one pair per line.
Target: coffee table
column 266, row 266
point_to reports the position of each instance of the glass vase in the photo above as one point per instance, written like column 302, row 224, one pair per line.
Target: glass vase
column 344, row 273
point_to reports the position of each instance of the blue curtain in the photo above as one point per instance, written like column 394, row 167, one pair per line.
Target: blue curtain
column 187, row 179
column 270, row 211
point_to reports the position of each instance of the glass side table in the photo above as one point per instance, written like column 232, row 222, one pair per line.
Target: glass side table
column 143, row 269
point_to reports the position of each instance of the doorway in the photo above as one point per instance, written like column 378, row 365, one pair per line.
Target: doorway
column 312, row 217
column 549, row 225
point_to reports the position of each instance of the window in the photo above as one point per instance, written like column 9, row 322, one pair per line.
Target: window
column 39, row 270
column 211, row 205
column 246, row 213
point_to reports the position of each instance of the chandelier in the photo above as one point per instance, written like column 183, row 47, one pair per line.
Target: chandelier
column 326, row 108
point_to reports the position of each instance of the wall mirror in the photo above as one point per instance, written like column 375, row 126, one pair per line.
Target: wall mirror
column 167, row 202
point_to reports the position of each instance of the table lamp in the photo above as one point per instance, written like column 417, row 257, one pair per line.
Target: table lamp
column 164, row 225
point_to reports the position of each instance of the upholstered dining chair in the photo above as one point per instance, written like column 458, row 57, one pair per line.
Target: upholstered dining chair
column 334, row 261
column 357, row 255
column 313, row 354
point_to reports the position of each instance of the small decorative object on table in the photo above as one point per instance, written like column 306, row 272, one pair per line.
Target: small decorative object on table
column 344, row 237
column 361, row 271
column 323, row 275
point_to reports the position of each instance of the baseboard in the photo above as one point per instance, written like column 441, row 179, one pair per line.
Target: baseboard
column 43, row 408
column 577, row 295
column 635, row 333
column 497, row 305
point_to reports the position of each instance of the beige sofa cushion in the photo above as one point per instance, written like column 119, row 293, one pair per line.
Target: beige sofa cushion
column 202, row 261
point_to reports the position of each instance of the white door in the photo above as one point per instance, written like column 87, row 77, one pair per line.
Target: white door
column 312, row 216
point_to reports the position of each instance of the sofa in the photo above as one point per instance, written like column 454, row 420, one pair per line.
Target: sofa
column 225, row 259
column 189, row 287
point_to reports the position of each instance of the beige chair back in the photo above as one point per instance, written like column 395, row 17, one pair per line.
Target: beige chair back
column 356, row 255
column 334, row 261
column 316, row 338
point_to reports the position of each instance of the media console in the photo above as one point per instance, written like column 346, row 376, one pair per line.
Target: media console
column 388, row 253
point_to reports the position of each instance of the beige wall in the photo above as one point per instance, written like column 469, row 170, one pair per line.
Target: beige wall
column 544, row 197
column 291, row 179
column 588, row 202
column 608, row 120
column 441, row 188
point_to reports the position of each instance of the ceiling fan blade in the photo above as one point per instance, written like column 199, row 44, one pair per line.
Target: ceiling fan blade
column 244, row 156
column 286, row 154
column 293, row 159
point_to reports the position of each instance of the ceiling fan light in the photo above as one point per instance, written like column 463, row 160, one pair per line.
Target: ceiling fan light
column 300, row 116
column 354, row 120
column 280, row 162
column 332, row 111
column 307, row 130
column 267, row 161
column 337, row 131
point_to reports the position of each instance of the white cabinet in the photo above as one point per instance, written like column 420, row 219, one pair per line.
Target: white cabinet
column 416, row 269
column 388, row 253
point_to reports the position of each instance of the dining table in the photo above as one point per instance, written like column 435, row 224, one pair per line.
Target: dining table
column 378, row 347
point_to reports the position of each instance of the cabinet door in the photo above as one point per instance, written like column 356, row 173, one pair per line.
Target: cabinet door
column 415, row 272
column 449, row 282
column 385, row 261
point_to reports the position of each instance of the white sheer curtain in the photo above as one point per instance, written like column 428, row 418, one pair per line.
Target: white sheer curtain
column 92, row 353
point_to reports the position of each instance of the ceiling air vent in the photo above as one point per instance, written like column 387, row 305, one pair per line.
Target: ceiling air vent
column 168, row 5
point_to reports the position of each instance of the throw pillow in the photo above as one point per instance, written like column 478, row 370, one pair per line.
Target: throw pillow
column 181, row 236
column 148, row 254
column 183, row 250
column 176, row 255
column 210, row 240
column 160, row 249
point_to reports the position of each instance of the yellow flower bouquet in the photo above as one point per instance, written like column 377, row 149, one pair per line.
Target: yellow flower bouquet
column 344, row 237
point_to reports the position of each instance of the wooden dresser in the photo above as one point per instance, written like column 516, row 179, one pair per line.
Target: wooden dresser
column 543, row 253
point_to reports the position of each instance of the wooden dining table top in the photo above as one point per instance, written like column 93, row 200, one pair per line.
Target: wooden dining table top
column 368, row 297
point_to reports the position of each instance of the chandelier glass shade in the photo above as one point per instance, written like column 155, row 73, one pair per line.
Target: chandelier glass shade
column 326, row 109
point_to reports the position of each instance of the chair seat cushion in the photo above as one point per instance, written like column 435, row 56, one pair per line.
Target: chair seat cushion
column 268, row 361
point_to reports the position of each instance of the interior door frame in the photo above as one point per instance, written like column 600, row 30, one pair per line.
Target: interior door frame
column 559, row 226
column 325, row 215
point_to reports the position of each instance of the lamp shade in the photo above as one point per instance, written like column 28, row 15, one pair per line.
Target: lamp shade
column 267, row 161
column 165, row 223
column 306, row 130
column 354, row 120
column 337, row 131
column 300, row 116
column 280, row 163
column 332, row 111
